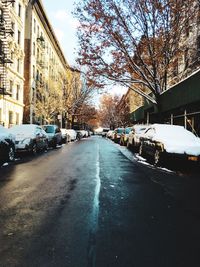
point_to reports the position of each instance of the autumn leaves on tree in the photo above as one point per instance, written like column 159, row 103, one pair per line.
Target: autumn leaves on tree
column 134, row 43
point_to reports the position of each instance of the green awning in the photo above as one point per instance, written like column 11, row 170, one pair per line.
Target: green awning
column 182, row 94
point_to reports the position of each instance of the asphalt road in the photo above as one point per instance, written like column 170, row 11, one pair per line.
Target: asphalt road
column 92, row 203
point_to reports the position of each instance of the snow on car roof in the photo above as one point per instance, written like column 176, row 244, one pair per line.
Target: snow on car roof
column 25, row 128
column 164, row 131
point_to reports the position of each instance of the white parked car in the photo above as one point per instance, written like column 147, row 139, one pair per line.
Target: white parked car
column 65, row 135
column 133, row 139
column 72, row 134
column 110, row 134
column 162, row 140
column 29, row 137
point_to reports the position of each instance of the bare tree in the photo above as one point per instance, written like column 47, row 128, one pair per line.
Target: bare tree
column 48, row 101
column 77, row 94
column 108, row 113
column 133, row 42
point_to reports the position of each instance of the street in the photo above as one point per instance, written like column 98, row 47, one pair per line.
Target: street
column 92, row 203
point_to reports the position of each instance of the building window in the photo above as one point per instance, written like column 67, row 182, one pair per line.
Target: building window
column 11, row 88
column 19, row 10
column 18, row 65
column 13, row 4
column 12, row 55
column 1, row 15
column 1, row 47
column 17, row 118
column 10, row 118
column 34, row 48
column 34, row 26
column 33, row 72
column 38, row 32
column 37, row 76
column 19, row 38
column 18, row 92
column 13, row 28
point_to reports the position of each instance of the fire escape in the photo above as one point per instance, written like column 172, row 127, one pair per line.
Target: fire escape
column 5, row 31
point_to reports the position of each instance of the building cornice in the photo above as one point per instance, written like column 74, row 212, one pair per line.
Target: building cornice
column 11, row 100
column 39, row 8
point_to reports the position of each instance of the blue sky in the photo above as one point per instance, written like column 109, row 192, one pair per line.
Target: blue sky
column 64, row 25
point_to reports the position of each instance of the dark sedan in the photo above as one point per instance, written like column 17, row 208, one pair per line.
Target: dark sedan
column 161, row 141
column 7, row 146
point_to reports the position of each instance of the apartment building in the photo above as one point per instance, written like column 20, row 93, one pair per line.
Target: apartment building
column 45, row 68
column 12, row 25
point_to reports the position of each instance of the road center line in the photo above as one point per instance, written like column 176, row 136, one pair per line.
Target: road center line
column 95, row 215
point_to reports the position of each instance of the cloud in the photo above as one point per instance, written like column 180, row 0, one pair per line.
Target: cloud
column 63, row 16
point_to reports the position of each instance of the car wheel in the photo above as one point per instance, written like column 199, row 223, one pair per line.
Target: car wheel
column 46, row 146
column 11, row 154
column 54, row 144
column 34, row 149
column 127, row 144
column 141, row 151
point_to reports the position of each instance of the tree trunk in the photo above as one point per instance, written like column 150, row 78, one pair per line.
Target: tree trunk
column 159, row 117
column 73, row 118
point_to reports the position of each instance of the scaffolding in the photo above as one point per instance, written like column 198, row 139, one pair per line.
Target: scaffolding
column 5, row 31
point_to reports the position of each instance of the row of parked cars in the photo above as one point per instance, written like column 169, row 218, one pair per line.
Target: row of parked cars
column 33, row 138
column 158, row 142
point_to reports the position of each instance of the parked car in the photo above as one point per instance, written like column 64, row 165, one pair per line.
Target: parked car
column 110, row 134
column 72, row 134
column 117, row 134
column 162, row 140
column 79, row 134
column 7, row 145
column 105, row 131
column 65, row 136
column 54, row 135
column 83, row 132
column 124, row 136
column 29, row 137
column 133, row 140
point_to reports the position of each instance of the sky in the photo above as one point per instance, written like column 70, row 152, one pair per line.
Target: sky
column 64, row 24
column 59, row 13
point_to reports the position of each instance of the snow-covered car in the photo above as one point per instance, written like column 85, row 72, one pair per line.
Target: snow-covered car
column 110, row 134
column 29, row 137
column 84, row 133
column 117, row 134
column 65, row 135
column 72, row 134
column 124, row 136
column 7, row 145
column 133, row 139
column 162, row 140
column 54, row 135
column 105, row 131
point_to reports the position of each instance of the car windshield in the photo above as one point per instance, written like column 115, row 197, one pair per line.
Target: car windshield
column 120, row 130
column 127, row 130
column 49, row 129
column 140, row 130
